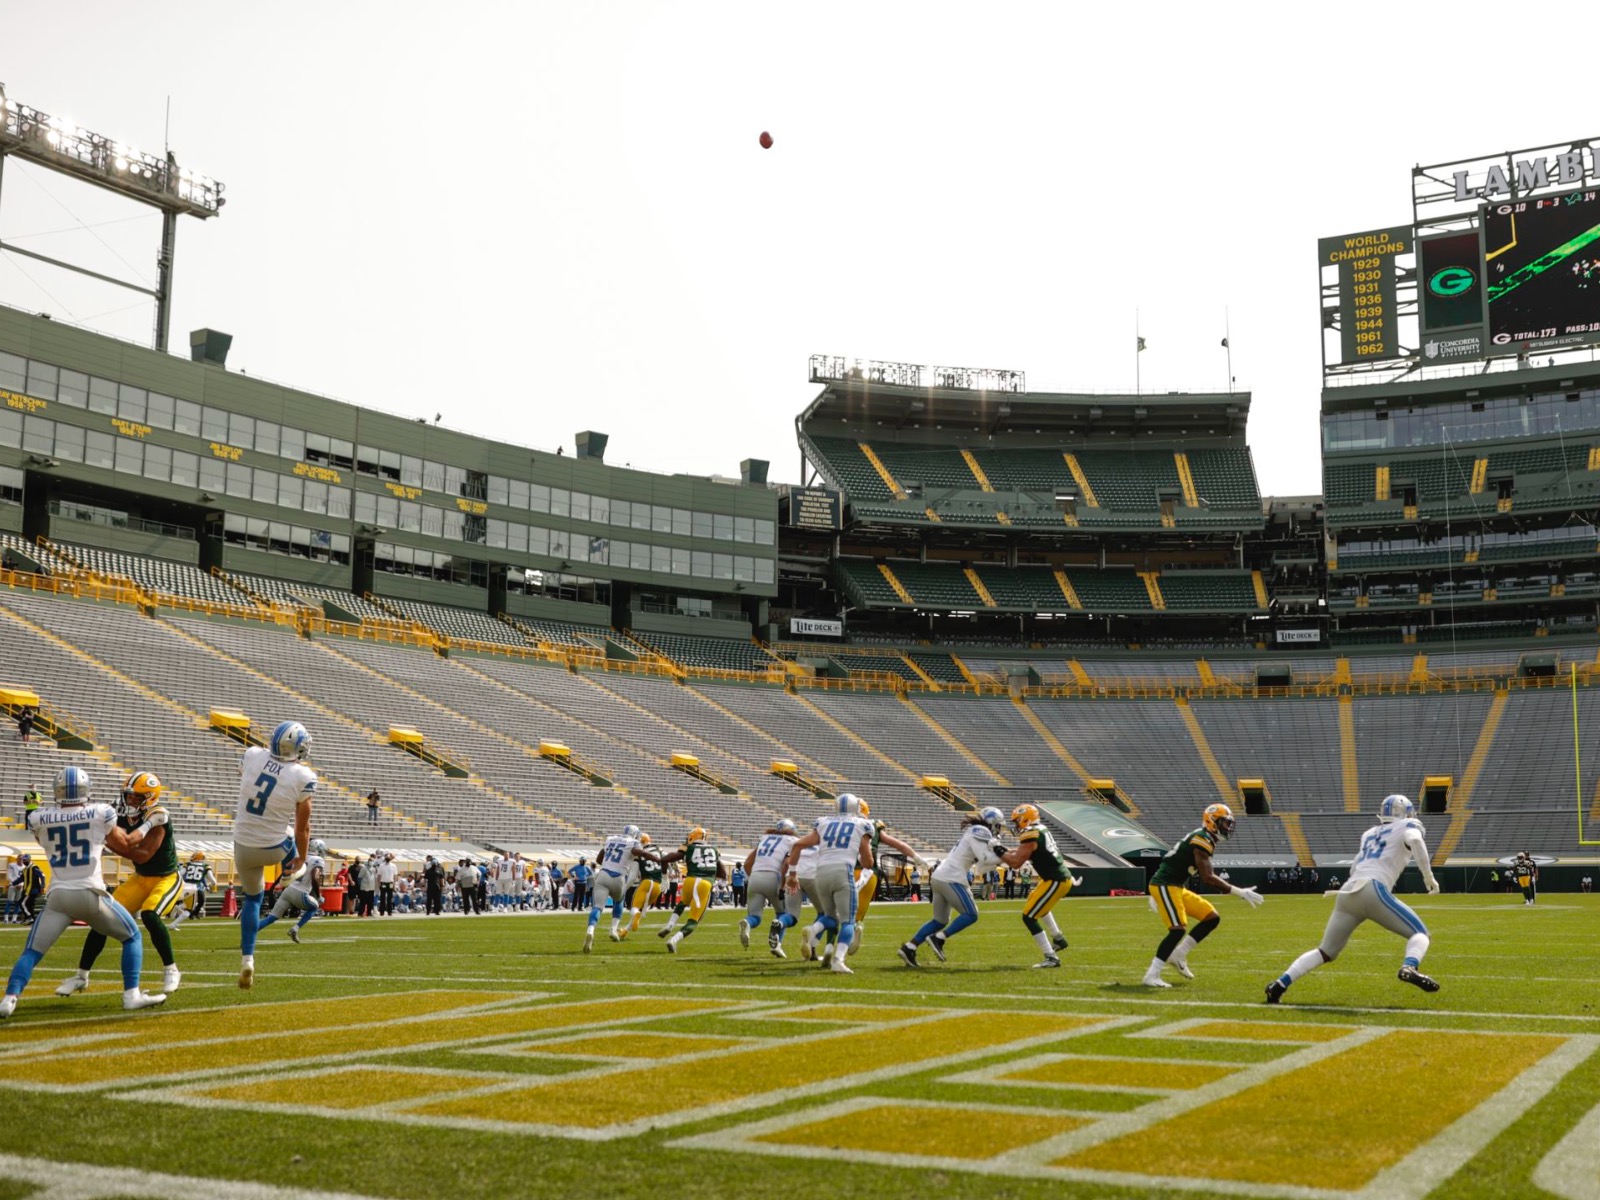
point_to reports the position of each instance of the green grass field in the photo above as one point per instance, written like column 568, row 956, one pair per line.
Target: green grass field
column 415, row 1057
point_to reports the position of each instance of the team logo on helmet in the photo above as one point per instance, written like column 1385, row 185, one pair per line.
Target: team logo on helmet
column 786, row 826
column 631, row 831
column 993, row 818
column 1218, row 819
column 139, row 794
column 72, row 786
column 1396, row 808
column 290, row 742
column 1024, row 816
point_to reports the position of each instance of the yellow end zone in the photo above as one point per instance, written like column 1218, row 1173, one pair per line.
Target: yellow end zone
column 953, row 1132
column 632, row 1045
column 858, row 1014
column 1316, row 1104
column 1120, row 1072
column 331, row 1088
column 1263, row 1031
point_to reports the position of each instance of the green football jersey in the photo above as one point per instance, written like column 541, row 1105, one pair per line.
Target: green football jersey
column 165, row 860
column 700, row 860
column 1045, row 857
column 1178, row 867
column 650, row 869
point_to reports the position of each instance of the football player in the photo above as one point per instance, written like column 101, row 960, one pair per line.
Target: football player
column 702, row 864
column 275, row 787
column 303, row 893
column 152, row 890
column 1368, row 895
column 1527, row 877
column 614, row 868
column 198, row 879
column 842, row 840
column 1036, row 846
column 765, row 868
column 867, row 880
column 1175, row 904
column 648, row 889
column 978, row 850
column 75, row 833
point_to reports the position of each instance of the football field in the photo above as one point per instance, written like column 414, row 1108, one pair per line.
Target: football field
column 416, row 1057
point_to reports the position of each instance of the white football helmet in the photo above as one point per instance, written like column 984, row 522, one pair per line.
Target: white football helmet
column 290, row 742
column 317, row 846
column 993, row 818
column 72, row 786
column 1396, row 808
column 786, row 826
column 849, row 804
column 631, row 831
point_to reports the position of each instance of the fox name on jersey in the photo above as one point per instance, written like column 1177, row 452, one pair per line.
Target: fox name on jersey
column 269, row 790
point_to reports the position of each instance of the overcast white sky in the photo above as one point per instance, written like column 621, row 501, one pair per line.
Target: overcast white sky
column 540, row 217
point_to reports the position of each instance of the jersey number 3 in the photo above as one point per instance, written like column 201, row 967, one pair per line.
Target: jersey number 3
column 257, row 804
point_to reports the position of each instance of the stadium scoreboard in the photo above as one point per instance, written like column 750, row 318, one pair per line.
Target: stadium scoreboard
column 1502, row 259
column 820, row 509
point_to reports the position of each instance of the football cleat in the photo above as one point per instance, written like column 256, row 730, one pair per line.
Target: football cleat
column 1218, row 819
column 588, row 940
column 290, row 742
column 672, row 943
column 8, row 1005
column 1396, row 808
column 937, row 940
column 1182, row 968
column 72, row 786
column 1417, row 979
column 616, row 935
column 1275, row 991
column 744, row 934
column 908, row 954
column 171, row 978
column 777, row 948
column 839, row 967
column 133, row 1001
column 827, row 954
column 855, row 942
column 1050, row 960
column 1059, row 941
column 294, row 934
column 1155, row 981
column 808, row 945
column 664, row 932
column 247, row 972
column 75, row 982
column 1024, row 816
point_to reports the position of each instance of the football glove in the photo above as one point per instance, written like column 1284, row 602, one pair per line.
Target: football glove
column 1250, row 896
column 1433, row 887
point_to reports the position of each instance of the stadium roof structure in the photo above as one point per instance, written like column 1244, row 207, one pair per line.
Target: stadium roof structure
column 956, row 414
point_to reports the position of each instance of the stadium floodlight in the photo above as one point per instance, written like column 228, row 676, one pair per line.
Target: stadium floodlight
column 62, row 145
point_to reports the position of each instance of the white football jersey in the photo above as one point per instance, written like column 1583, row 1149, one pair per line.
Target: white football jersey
column 772, row 851
column 617, row 854
column 302, row 878
column 73, row 837
column 269, row 790
column 805, row 866
column 1385, row 851
column 841, row 837
column 974, row 852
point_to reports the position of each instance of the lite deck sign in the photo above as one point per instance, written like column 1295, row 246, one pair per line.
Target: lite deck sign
column 1369, row 325
column 813, row 508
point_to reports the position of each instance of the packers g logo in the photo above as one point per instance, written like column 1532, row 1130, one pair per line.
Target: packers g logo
column 1451, row 281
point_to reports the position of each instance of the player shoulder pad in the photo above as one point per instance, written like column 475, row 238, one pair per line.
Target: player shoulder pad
column 1030, row 834
column 983, row 832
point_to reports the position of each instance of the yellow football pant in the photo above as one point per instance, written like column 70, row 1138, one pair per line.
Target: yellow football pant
column 864, row 897
column 643, row 897
column 149, row 893
column 694, row 897
column 1177, row 906
column 1044, row 896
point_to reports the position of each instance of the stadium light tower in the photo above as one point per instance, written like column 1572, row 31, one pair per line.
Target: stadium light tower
column 156, row 180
